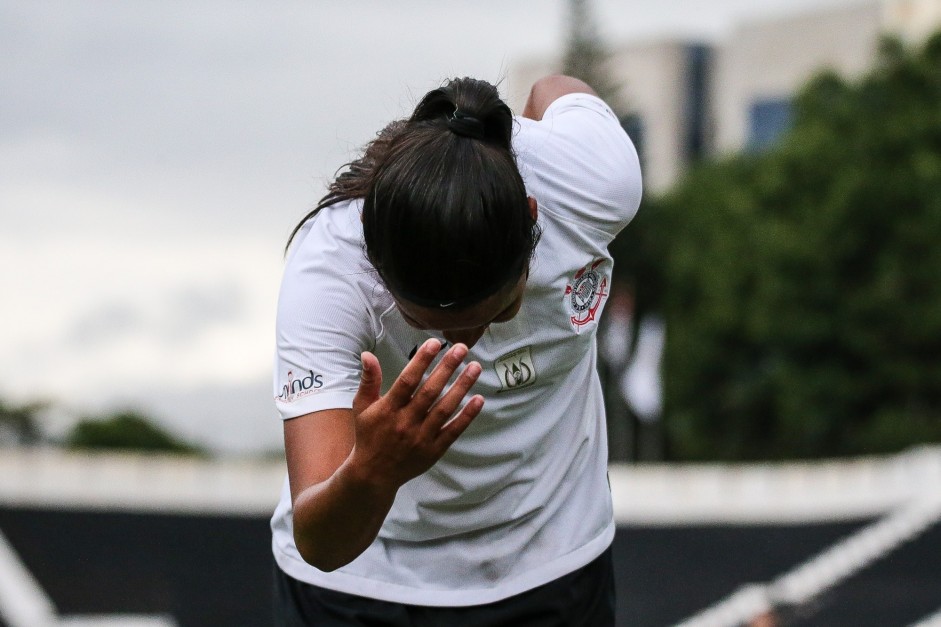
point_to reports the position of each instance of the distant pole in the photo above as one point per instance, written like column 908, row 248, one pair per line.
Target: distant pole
column 586, row 56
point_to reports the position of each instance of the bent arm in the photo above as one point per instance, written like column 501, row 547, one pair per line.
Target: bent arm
column 346, row 465
column 548, row 89
column 581, row 163
column 338, row 510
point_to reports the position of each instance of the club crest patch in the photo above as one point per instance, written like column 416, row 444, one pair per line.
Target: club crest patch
column 516, row 370
column 585, row 293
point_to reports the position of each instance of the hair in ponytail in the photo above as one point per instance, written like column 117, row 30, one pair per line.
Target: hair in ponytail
column 354, row 180
column 445, row 213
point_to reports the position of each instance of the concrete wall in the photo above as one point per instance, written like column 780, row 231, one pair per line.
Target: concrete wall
column 912, row 20
column 647, row 494
column 653, row 81
column 773, row 59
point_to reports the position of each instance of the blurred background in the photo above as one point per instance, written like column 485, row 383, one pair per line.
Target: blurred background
column 770, row 350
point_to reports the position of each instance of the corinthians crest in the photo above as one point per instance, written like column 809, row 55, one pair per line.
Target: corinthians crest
column 515, row 370
column 585, row 293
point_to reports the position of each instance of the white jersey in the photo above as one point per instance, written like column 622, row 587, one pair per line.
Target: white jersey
column 521, row 498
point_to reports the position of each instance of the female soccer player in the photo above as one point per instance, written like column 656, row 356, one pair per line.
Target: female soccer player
column 443, row 418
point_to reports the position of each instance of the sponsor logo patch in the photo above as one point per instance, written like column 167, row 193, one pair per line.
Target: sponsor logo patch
column 298, row 387
column 516, row 370
column 585, row 293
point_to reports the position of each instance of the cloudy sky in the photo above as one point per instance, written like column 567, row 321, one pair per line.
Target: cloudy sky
column 154, row 156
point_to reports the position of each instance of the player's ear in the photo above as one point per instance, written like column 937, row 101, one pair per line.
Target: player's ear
column 533, row 208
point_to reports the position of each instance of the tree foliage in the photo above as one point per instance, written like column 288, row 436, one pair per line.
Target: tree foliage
column 18, row 424
column 126, row 430
column 802, row 287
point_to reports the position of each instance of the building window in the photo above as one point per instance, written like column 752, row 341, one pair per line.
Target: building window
column 633, row 125
column 767, row 121
column 698, row 79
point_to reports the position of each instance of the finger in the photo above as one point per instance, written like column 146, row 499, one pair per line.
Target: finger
column 448, row 404
column 431, row 389
column 453, row 429
column 370, row 383
column 400, row 394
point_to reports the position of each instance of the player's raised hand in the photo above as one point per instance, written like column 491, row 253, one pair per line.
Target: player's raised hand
column 402, row 434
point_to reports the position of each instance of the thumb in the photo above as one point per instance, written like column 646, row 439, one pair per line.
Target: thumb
column 370, row 383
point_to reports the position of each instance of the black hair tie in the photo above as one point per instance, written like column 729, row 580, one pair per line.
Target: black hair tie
column 466, row 125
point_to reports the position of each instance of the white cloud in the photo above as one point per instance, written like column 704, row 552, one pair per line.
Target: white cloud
column 90, row 315
column 155, row 155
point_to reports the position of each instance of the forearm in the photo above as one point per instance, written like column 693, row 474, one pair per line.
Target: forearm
column 337, row 519
column 346, row 466
column 549, row 88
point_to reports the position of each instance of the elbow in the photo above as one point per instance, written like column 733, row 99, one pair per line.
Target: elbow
column 548, row 89
column 313, row 554
column 326, row 566
column 321, row 562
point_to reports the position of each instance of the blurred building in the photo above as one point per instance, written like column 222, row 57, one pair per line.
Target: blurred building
column 684, row 100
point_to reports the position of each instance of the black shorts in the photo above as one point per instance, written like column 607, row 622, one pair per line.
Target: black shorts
column 583, row 598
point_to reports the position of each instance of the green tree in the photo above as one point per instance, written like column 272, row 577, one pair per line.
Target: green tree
column 800, row 287
column 18, row 423
column 127, row 430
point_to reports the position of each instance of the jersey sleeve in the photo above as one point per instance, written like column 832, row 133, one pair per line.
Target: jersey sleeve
column 323, row 324
column 580, row 164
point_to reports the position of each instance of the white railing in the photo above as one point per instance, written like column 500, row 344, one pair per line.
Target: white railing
column 23, row 603
column 930, row 621
column 915, row 479
column 118, row 482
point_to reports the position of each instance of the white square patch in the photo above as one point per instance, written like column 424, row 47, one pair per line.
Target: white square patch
column 516, row 370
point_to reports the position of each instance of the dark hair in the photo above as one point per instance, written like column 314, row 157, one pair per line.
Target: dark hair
column 446, row 220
